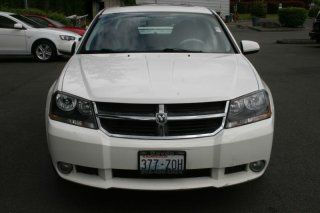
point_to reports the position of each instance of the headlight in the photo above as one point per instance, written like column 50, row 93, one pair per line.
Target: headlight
column 67, row 38
column 72, row 110
column 248, row 109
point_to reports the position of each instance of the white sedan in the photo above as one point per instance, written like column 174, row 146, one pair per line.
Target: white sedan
column 160, row 98
column 21, row 36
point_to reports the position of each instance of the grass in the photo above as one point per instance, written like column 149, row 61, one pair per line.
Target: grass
column 247, row 16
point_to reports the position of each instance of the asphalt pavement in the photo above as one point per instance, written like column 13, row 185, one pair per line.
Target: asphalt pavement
column 291, row 183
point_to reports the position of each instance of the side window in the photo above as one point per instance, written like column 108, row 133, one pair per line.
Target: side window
column 6, row 22
column 39, row 20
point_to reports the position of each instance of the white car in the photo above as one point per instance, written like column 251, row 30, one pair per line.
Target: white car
column 22, row 36
column 160, row 98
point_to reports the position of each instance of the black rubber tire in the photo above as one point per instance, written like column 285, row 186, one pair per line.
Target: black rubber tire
column 50, row 45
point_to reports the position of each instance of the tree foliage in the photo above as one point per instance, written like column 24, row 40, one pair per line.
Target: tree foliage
column 68, row 7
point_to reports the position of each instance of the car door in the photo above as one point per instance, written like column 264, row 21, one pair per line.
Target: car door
column 12, row 41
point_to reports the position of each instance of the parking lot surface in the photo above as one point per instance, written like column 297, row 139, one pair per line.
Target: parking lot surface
column 291, row 183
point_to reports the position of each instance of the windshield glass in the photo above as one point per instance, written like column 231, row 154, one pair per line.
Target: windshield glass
column 28, row 21
column 157, row 32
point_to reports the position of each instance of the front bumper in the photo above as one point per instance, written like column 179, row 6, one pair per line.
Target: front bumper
column 65, row 47
column 94, row 149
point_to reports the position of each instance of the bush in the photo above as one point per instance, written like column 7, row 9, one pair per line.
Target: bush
column 53, row 15
column 313, row 12
column 272, row 7
column 32, row 11
column 244, row 7
column 293, row 4
column 292, row 16
column 59, row 17
column 259, row 9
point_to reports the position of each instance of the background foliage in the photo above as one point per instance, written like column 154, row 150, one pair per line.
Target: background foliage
column 292, row 16
column 68, row 7
column 60, row 17
column 272, row 5
column 259, row 9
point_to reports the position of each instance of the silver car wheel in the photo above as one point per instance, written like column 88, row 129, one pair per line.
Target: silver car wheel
column 44, row 52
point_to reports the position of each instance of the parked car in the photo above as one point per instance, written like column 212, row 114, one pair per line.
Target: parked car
column 315, row 33
column 55, row 24
column 21, row 36
column 160, row 98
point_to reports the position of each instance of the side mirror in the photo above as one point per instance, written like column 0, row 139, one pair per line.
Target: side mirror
column 18, row 26
column 50, row 25
column 249, row 47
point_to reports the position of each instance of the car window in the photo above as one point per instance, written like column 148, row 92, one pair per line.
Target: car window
column 39, row 20
column 28, row 21
column 157, row 32
column 6, row 22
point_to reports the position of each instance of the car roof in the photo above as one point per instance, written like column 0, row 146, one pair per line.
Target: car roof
column 157, row 8
column 5, row 13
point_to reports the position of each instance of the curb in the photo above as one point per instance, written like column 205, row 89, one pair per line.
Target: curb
column 261, row 29
column 280, row 29
column 296, row 41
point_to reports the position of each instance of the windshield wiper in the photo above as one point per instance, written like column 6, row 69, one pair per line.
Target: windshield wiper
column 177, row 50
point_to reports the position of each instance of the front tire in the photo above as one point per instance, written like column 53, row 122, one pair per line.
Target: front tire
column 44, row 51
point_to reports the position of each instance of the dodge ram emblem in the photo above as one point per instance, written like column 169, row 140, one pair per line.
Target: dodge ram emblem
column 161, row 118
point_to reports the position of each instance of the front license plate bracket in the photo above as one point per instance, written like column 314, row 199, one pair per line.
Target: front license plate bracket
column 161, row 162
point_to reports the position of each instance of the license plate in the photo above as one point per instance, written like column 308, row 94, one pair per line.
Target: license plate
column 162, row 162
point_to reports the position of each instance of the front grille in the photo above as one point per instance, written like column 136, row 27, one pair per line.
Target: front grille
column 87, row 170
column 235, row 169
column 130, row 127
column 193, row 127
column 195, row 109
column 161, row 121
column 193, row 173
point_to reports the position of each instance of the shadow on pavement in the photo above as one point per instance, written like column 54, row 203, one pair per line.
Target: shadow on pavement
column 28, row 59
column 197, row 200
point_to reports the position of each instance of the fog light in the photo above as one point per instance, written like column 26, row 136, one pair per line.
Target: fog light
column 257, row 166
column 65, row 168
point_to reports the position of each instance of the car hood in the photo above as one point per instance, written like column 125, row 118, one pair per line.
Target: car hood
column 56, row 31
column 159, row 78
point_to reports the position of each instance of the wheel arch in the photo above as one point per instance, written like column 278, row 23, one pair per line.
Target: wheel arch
column 43, row 39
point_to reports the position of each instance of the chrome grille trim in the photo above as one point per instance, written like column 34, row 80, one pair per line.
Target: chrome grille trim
column 152, row 118
column 170, row 118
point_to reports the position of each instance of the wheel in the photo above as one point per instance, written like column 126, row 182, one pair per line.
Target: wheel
column 44, row 51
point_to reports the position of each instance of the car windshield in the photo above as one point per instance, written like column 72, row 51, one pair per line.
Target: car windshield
column 157, row 32
column 28, row 21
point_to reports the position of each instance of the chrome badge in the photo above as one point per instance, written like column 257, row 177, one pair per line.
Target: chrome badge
column 161, row 118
